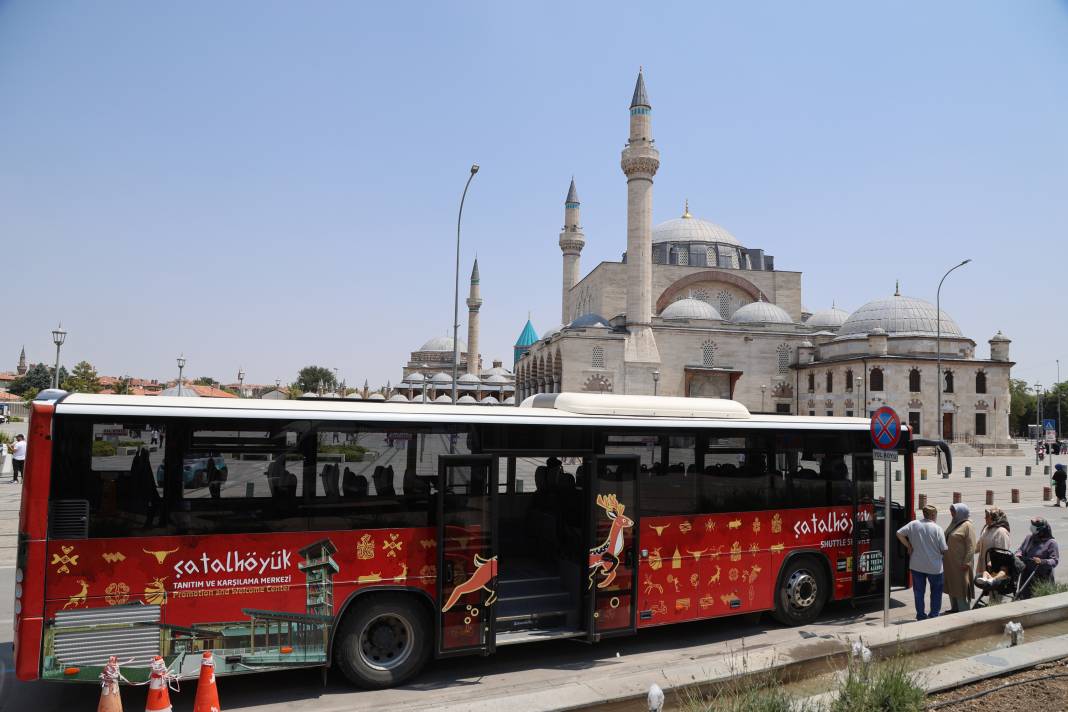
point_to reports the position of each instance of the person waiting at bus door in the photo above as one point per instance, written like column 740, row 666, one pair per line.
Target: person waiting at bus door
column 145, row 484
column 995, row 535
column 926, row 543
column 1040, row 555
column 1060, row 479
column 958, row 559
column 18, row 458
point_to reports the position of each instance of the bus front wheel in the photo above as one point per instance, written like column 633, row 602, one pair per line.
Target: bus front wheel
column 383, row 641
column 802, row 592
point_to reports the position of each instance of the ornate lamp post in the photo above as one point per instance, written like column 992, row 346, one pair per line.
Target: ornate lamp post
column 656, row 380
column 456, row 289
column 58, row 337
column 181, row 367
column 241, row 381
column 938, row 355
column 763, row 391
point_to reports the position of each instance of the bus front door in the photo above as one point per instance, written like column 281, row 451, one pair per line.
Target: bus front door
column 611, row 583
column 467, row 553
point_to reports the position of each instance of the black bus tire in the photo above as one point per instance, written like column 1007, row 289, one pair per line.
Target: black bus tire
column 802, row 592
column 383, row 641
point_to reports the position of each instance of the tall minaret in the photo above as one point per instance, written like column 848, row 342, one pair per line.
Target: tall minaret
column 474, row 303
column 571, row 243
column 639, row 163
column 22, row 362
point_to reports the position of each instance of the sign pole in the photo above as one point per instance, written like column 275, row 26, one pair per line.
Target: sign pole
column 886, row 546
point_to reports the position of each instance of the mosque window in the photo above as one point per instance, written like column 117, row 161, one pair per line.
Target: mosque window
column 914, row 380
column 680, row 255
column 875, row 380
column 980, row 423
column 701, row 294
column 710, row 256
column 811, row 383
column 949, row 382
column 708, row 354
column 784, row 358
column 724, row 304
column 830, row 382
column 849, row 381
column 597, row 360
column 980, row 383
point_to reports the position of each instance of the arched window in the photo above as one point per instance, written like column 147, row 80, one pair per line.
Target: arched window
column 875, row 380
column 948, row 377
column 708, row 354
column 680, row 255
column 724, row 304
column 914, row 380
column 830, row 382
column 980, row 382
column 710, row 256
column 784, row 358
column 597, row 359
column 811, row 383
column 701, row 295
column 849, row 381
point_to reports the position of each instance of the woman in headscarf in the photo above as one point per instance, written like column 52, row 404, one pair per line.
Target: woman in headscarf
column 1040, row 554
column 995, row 535
column 957, row 561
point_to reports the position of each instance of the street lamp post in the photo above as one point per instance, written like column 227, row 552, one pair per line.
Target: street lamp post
column 456, row 289
column 860, row 411
column 763, row 391
column 656, row 380
column 58, row 337
column 181, row 367
column 938, row 349
column 1059, row 389
column 241, row 381
column 1038, row 419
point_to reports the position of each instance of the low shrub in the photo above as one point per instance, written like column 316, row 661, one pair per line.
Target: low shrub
column 1047, row 587
column 352, row 453
column 878, row 687
column 102, row 448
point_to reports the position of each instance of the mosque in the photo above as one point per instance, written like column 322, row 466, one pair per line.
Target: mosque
column 691, row 311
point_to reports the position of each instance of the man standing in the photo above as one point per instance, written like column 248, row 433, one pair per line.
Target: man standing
column 18, row 457
column 926, row 543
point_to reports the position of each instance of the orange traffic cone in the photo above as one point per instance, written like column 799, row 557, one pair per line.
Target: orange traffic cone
column 159, row 699
column 207, row 699
column 110, row 698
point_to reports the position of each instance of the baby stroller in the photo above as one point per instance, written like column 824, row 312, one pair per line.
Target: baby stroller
column 1012, row 585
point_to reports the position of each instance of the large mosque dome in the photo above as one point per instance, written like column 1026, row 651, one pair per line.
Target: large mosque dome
column 691, row 229
column 695, row 242
column 442, row 343
column 899, row 316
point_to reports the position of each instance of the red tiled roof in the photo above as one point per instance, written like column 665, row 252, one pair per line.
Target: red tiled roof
column 4, row 396
column 210, row 392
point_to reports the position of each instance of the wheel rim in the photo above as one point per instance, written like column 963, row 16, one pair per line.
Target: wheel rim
column 802, row 590
column 386, row 642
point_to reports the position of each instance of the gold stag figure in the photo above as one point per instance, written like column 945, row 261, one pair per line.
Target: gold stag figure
column 78, row 599
column 605, row 558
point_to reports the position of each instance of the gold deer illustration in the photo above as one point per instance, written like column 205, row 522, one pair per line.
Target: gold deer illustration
column 78, row 599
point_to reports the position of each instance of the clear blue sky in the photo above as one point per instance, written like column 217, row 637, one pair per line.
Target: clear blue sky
column 275, row 184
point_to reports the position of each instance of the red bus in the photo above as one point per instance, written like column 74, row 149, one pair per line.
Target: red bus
column 374, row 536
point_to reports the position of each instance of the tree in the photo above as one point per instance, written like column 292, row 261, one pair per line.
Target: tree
column 83, row 379
column 122, row 386
column 310, row 378
column 205, row 381
column 1021, row 406
column 37, row 378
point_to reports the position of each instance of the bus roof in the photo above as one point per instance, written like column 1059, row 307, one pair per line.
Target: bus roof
column 562, row 409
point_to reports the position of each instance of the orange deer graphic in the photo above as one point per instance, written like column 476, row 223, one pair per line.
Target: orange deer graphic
column 605, row 558
column 485, row 571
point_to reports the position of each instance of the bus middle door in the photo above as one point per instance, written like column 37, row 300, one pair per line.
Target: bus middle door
column 612, row 581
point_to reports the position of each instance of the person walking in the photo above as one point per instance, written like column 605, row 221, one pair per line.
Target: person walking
column 926, row 543
column 958, row 559
column 18, row 458
column 1060, row 479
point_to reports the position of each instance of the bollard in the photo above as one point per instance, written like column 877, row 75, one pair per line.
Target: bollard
column 897, row 475
column 990, row 472
column 1027, row 471
column 1016, row 496
column 1008, row 470
column 1047, row 494
column 923, row 473
column 989, row 497
column 923, row 501
column 956, row 498
column 967, row 473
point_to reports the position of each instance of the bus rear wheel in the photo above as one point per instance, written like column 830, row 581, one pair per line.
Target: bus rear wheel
column 383, row 641
column 802, row 592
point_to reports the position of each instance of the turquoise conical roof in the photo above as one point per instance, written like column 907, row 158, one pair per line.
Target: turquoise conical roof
column 528, row 336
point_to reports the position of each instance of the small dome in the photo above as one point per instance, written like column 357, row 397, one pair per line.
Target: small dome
column 398, row 398
column 877, row 331
column 806, row 344
column 467, row 400
column 498, row 379
column 552, row 332
column 510, row 400
column 469, row 378
column 376, row 397
column 691, row 229
column 442, row 343
column 587, row 321
column 443, row 399
column 899, row 316
column 827, row 318
column 999, row 337
column 496, row 371
column 441, row 378
column 415, row 377
column 490, row 400
column 761, row 313
column 690, row 309
column 309, row 394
